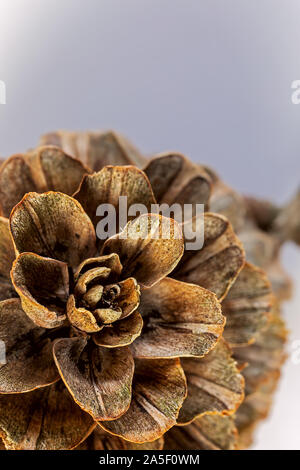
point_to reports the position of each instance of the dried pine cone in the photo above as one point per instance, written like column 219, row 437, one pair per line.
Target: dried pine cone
column 123, row 337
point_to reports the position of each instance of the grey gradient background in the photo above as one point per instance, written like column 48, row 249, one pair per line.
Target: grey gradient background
column 210, row 78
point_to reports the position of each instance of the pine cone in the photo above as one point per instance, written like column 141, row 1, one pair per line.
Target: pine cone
column 118, row 343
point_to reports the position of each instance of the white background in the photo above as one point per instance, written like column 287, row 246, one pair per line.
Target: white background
column 210, row 78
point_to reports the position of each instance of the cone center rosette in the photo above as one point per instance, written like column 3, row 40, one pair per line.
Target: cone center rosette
column 101, row 300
